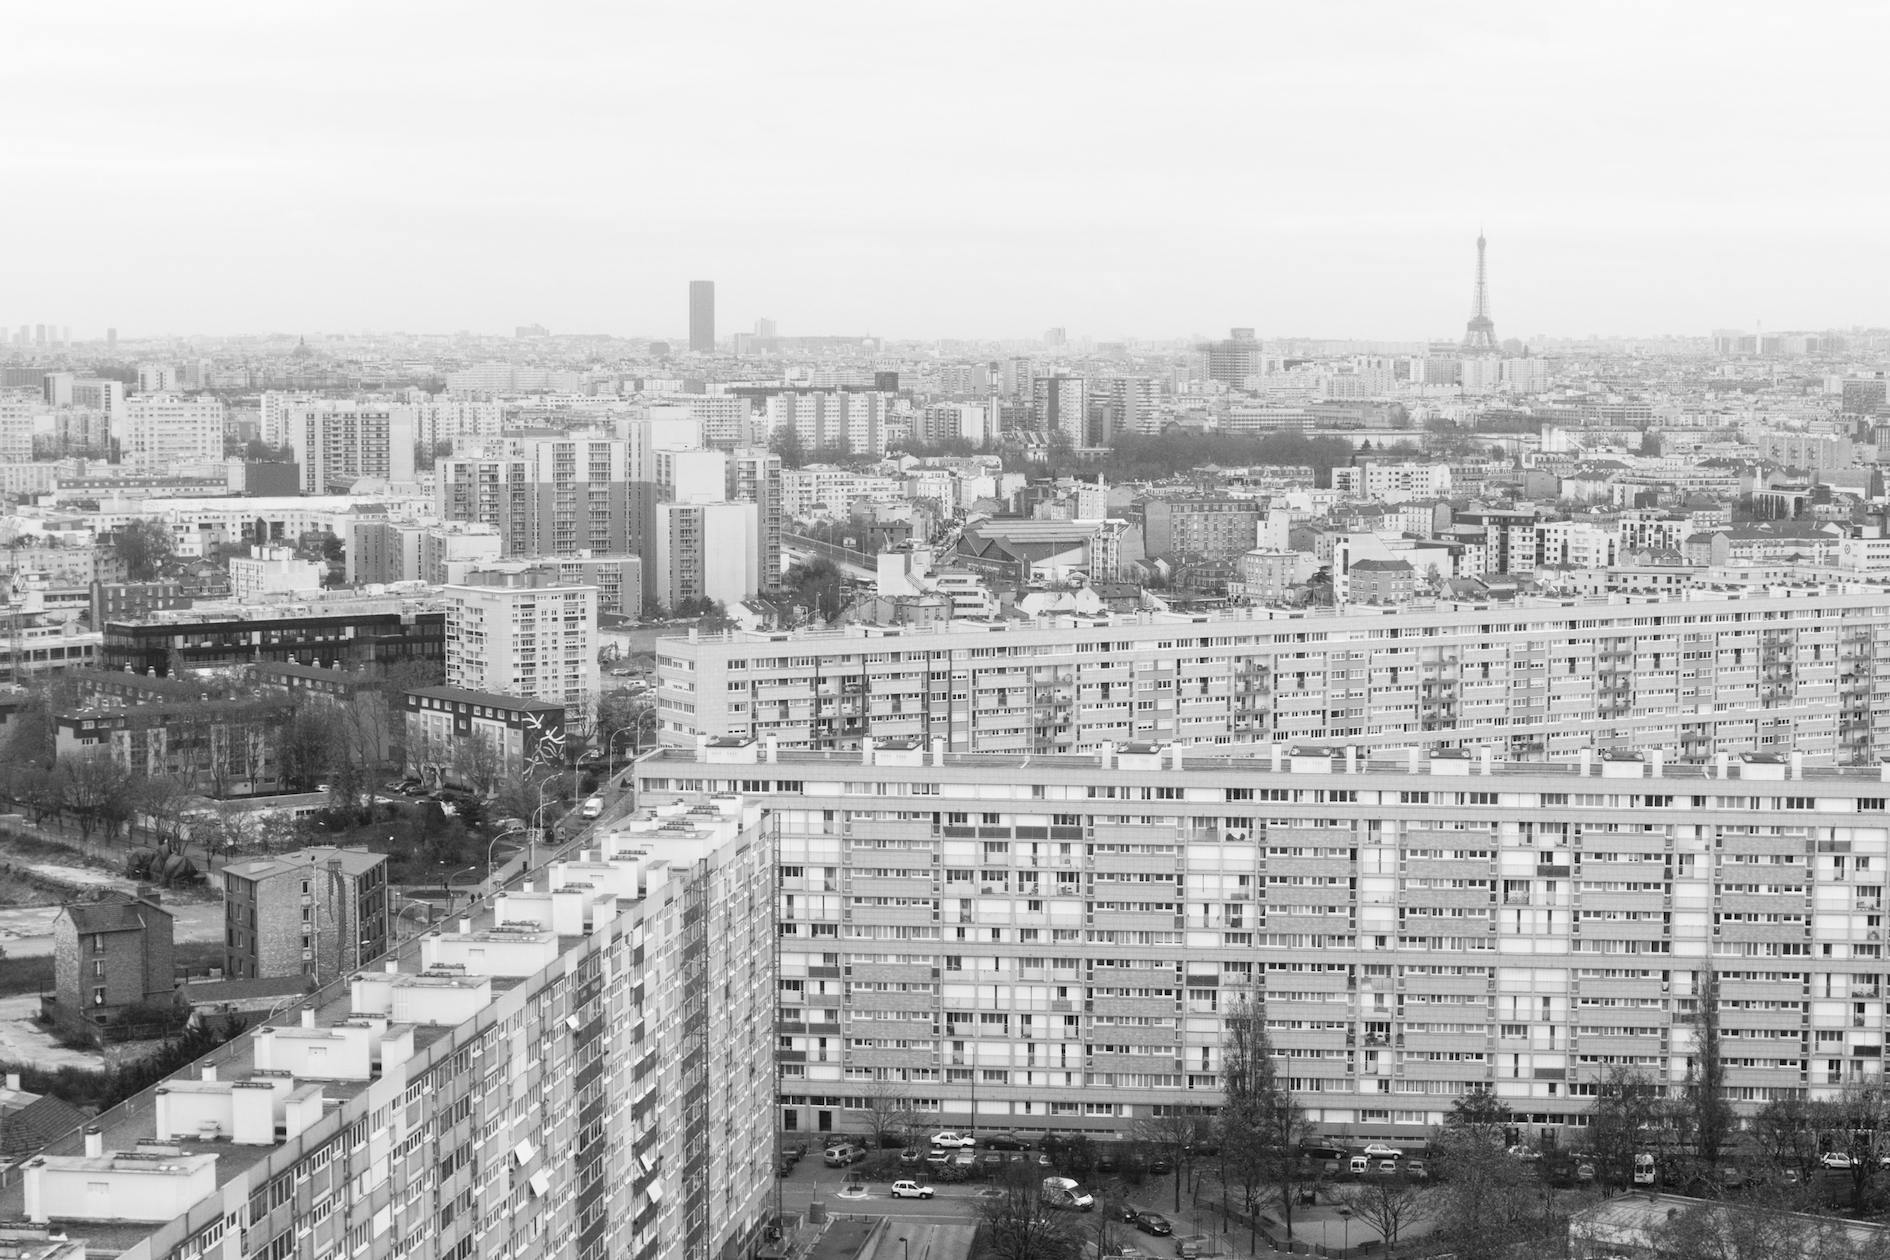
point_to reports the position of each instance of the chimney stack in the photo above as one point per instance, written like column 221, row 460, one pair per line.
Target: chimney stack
column 94, row 1141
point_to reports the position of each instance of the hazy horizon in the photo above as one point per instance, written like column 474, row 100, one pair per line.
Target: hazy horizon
column 983, row 174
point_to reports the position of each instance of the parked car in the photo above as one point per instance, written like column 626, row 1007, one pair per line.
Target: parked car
column 843, row 1156
column 1644, row 1171
column 938, row 1156
column 1160, row 1166
column 1387, row 1168
column 1152, row 1223
column 1418, row 1170
column 796, row 1148
column 1732, row 1178
column 992, row 1159
column 1378, row 1150
column 1834, row 1159
column 1006, row 1142
column 1357, row 1166
column 910, row 1190
column 952, row 1137
column 786, row 1167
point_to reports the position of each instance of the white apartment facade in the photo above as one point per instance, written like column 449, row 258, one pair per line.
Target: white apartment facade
column 339, row 442
column 705, row 551
column 1540, row 678
column 522, row 639
column 162, row 430
column 543, row 1076
column 273, row 571
column 1055, row 947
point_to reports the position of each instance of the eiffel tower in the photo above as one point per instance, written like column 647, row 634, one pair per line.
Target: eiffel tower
column 1479, row 335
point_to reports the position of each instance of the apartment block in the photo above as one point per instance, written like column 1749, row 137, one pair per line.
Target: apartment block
column 1058, row 944
column 754, row 476
column 549, row 495
column 520, row 634
column 339, row 442
column 579, row 1067
column 705, row 551
column 320, row 913
column 1804, row 671
column 440, row 720
column 161, row 430
column 1207, row 526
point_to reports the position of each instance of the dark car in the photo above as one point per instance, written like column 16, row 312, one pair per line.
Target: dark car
column 911, row 1155
column 1006, row 1142
column 796, row 1149
column 786, row 1168
column 991, row 1159
column 1160, row 1166
column 1152, row 1223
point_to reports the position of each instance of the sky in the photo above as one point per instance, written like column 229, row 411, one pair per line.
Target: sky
column 945, row 170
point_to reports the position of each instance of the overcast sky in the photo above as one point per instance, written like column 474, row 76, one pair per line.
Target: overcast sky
column 946, row 170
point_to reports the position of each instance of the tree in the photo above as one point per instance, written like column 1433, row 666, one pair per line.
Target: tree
column 1784, row 1132
column 95, row 784
column 1262, row 1128
column 1704, row 1107
column 1483, row 1206
column 887, row 1110
column 303, row 748
column 817, row 585
column 786, row 442
column 166, row 801
column 1389, row 1205
column 1017, row 1224
column 143, row 546
column 1176, row 1134
column 1626, row 1111
column 479, row 763
column 1856, row 1123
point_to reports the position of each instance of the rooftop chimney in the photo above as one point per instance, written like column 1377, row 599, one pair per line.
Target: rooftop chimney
column 308, row 1017
column 94, row 1141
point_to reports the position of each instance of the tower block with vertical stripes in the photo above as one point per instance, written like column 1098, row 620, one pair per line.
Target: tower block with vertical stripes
column 1479, row 335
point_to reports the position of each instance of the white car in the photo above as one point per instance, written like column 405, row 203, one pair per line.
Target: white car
column 951, row 1137
column 910, row 1190
column 1378, row 1150
column 1834, row 1159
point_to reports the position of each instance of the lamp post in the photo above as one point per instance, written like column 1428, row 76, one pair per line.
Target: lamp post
column 636, row 741
column 509, row 831
column 905, row 1248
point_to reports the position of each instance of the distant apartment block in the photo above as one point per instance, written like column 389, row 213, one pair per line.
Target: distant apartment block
column 339, row 443
column 348, row 632
column 549, row 495
column 705, row 551
column 523, row 636
column 273, row 571
column 440, row 721
column 163, row 429
column 1540, row 678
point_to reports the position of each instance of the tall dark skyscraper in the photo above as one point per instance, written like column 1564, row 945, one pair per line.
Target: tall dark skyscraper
column 1479, row 336
column 702, row 316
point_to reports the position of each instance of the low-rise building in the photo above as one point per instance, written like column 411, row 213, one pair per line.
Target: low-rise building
column 317, row 912
column 108, row 956
column 513, row 733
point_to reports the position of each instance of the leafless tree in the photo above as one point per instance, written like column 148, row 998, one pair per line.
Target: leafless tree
column 1856, row 1123
column 1261, row 1127
column 1389, row 1205
column 1018, row 1224
column 887, row 1109
column 1176, row 1134
column 94, row 784
column 479, row 763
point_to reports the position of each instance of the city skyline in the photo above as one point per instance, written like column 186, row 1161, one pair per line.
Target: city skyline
column 1618, row 200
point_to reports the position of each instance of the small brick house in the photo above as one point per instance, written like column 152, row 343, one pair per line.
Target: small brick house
column 109, row 955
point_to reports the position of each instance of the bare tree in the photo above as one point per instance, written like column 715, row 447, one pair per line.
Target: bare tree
column 1017, row 1224
column 1389, row 1205
column 1176, row 1134
column 1262, row 1127
column 1626, row 1112
column 1856, row 1123
column 1783, row 1130
column 94, row 783
column 1484, row 1207
column 887, row 1109
column 479, row 763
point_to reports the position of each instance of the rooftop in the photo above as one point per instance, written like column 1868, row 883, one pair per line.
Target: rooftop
column 492, row 699
column 353, row 862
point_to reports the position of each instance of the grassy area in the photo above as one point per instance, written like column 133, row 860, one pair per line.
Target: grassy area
column 24, row 848
column 26, row 975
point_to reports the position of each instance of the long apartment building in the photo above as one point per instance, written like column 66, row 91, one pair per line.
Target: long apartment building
column 1805, row 671
column 1053, row 943
column 575, row 1069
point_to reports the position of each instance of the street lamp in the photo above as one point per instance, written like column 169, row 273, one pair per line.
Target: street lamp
column 905, row 1248
column 636, row 743
column 509, row 831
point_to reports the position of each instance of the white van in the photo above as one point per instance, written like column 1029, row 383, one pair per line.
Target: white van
column 1062, row 1192
column 593, row 808
column 1643, row 1170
